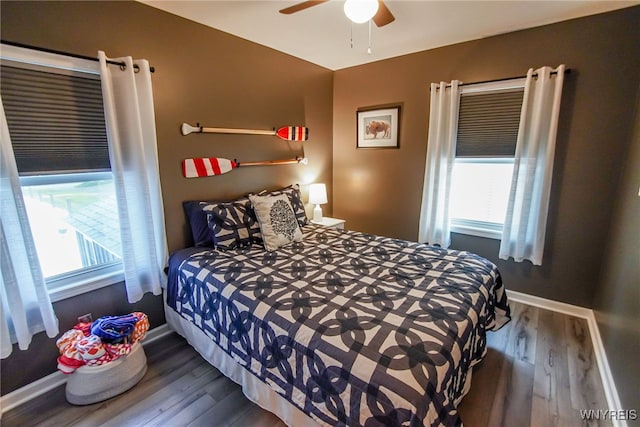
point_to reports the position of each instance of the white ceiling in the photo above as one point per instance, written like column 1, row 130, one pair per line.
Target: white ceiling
column 321, row 34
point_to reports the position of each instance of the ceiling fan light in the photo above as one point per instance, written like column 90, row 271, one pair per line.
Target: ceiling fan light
column 360, row 11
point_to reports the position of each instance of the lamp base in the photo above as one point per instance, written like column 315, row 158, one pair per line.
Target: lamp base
column 317, row 214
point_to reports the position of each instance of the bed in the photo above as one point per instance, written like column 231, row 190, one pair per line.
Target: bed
column 341, row 328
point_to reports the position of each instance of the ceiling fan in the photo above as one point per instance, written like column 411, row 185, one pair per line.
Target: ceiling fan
column 381, row 17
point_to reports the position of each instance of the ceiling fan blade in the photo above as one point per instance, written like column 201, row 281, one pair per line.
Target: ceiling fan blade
column 384, row 15
column 301, row 6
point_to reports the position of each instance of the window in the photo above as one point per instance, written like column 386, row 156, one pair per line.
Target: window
column 479, row 195
column 54, row 111
column 481, row 178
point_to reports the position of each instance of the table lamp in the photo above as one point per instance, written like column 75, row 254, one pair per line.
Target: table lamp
column 317, row 196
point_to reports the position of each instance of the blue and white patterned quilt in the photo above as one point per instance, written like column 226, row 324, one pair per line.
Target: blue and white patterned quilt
column 353, row 329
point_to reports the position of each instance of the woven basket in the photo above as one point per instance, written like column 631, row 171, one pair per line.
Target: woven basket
column 91, row 384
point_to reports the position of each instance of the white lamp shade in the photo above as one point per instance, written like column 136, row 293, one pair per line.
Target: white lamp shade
column 360, row 11
column 317, row 194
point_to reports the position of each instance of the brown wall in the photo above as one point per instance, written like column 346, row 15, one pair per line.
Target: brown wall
column 617, row 298
column 202, row 75
column 379, row 191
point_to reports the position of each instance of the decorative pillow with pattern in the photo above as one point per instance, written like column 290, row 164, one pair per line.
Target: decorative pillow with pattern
column 278, row 223
column 233, row 224
column 295, row 198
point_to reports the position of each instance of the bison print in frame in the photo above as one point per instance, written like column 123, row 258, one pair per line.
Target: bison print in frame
column 378, row 127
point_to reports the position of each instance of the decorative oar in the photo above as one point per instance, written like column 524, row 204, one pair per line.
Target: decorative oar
column 211, row 166
column 288, row 133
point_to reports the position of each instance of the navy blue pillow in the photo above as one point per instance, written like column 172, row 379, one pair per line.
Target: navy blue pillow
column 196, row 213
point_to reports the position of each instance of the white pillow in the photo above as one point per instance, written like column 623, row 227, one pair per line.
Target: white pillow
column 278, row 223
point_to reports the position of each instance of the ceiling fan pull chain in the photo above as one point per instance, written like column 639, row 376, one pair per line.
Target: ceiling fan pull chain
column 369, row 48
column 351, row 35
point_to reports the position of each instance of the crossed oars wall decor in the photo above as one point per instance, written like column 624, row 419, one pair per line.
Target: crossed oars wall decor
column 212, row 166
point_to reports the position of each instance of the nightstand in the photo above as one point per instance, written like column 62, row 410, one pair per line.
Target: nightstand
column 330, row 222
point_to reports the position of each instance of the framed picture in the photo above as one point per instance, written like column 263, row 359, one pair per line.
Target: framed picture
column 378, row 127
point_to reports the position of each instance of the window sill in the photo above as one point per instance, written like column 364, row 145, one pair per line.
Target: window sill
column 479, row 231
column 85, row 285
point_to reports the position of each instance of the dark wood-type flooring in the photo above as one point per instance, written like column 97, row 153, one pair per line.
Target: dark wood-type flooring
column 540, row 370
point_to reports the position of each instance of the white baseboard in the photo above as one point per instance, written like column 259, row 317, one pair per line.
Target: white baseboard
column 557, row 306
column 31, row 391
column 56, row 379
column 610, row 391
column 156, row 333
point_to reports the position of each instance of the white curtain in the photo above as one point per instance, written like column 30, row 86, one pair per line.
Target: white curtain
column 525, row 225
column 131, row 131
column 441, row 147
column 24, row 300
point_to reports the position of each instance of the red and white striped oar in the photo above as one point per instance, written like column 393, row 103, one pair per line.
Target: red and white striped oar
column 212, row 166
column 288, row 133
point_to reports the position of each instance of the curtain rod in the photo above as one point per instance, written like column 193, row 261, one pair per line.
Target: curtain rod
column 75, row 55
column 566, row 71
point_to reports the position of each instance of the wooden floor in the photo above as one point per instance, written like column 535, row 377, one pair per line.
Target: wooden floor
column 540, row 370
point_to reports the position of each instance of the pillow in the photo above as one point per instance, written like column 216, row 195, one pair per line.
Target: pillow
column 278, row 223
column 196, row 213
column 233, row 224
column 295, row 198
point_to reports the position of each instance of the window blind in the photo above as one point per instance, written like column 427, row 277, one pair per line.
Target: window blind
column 488, row 124
column 56, row 121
